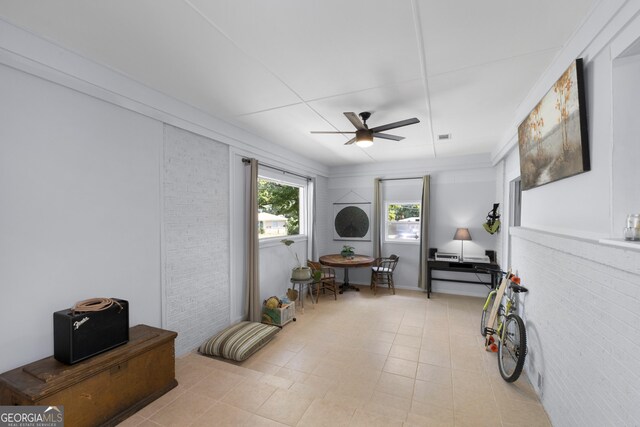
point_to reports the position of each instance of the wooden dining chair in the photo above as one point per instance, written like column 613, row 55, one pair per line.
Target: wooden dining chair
column 327, row 280
column 382, row 273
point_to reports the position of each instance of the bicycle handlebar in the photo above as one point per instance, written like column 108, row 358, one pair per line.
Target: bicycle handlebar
column 487, row 270
column 490, row 270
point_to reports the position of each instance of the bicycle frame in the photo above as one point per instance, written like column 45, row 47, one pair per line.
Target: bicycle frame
column 490, row 325
column 501, row 314
column 499, row 318
column 497, row 315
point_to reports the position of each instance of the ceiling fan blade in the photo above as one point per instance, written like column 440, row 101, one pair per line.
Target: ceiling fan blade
column 387, row 136
column 353, row 118
column 351, row 141
column 328, row 131
column 395, row 125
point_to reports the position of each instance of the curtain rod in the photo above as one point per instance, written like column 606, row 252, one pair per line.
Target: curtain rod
column 247, row 161
column 397, row 179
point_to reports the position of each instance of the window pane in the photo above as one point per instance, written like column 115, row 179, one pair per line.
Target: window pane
column 278, row 208
column 403, row 222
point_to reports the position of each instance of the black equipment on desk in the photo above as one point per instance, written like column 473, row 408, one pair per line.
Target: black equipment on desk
column 469, row 267
column 80, row 335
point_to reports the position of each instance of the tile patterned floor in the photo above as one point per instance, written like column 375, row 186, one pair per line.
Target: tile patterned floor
column 363, row 360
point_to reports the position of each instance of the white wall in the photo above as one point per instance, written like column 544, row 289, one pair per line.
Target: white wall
column 462, row 199
column 626, row 135
column 561, row 206
column 582, row 311
column 461, row 196
column 195, row 233
column 82, row 180
column 79, row 210
column 88, row 190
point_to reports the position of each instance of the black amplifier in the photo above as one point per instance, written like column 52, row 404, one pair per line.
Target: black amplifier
column 80, row 335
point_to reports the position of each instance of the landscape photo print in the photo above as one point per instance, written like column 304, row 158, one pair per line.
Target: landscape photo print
column 553, row 138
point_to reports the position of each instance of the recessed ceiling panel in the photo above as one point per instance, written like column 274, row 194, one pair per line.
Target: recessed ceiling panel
column 476, row 105
column 165, row 45
column 283, row 68
column 324, row 48
column 290, row 127
column 477, row 32
column 386, row 104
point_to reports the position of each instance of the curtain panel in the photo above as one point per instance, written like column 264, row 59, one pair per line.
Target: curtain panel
column 377, row 222
column 424, row 233
column 253, row 305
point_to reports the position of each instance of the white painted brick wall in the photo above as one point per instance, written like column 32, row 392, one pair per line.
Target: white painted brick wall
column 196, row 236
column 583, row 323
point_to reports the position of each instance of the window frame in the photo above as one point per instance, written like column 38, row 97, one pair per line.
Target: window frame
column 387, row 222
column 303, row 186
column 515, row 202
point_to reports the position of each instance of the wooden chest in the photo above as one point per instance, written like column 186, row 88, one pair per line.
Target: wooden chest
column 104, row 389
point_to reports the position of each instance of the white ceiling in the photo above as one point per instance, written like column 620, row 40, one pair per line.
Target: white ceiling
column 282, row 68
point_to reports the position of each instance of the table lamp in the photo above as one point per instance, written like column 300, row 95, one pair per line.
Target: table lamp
column 462, row 234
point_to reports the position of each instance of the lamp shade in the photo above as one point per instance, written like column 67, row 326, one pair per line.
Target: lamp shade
column 462, row 234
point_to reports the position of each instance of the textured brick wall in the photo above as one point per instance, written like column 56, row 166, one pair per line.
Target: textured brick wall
column 196, row 236
column 583, row 321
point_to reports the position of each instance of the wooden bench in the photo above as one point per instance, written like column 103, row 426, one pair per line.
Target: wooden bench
column 104, row 389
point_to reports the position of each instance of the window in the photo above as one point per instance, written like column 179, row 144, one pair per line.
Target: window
column 402, row 222
column 280, row 208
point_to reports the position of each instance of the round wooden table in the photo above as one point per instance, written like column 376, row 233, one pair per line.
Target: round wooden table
column 338, row 261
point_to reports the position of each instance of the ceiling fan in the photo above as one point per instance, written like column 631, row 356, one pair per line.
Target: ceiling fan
column 364, row 135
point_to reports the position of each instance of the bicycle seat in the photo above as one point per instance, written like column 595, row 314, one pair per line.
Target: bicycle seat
column 518, row 288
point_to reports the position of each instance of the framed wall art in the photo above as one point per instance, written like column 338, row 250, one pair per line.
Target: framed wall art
column 553, row 138
column 352, row 221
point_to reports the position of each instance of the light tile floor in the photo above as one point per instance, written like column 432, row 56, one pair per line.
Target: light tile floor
column 363, row 360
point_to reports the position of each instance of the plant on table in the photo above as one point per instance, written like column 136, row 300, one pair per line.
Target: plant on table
column 347, row 251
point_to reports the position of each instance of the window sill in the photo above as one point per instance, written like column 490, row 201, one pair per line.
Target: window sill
column 402, row 242
column 275, row 241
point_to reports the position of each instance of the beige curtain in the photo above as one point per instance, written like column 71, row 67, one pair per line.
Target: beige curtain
column 377, row 200
column 424, row 233
column 312, row 247
column 253, row 305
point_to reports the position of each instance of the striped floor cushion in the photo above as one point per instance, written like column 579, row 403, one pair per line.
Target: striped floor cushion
column 239, row 341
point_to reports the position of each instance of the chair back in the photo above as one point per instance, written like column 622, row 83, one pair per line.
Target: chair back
column 386, row 265
column 324, row 279
column 389, row 264
column 315, row 266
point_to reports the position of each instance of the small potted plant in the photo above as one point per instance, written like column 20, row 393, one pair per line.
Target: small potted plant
column 298, row 272
column 347, row 251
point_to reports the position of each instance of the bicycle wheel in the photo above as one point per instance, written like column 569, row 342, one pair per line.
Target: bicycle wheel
column 486, row 312
column 512, row 348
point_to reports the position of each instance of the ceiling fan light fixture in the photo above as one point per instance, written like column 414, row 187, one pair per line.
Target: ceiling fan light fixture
column 364, row 135
column 364, row 143
column 364, row 138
